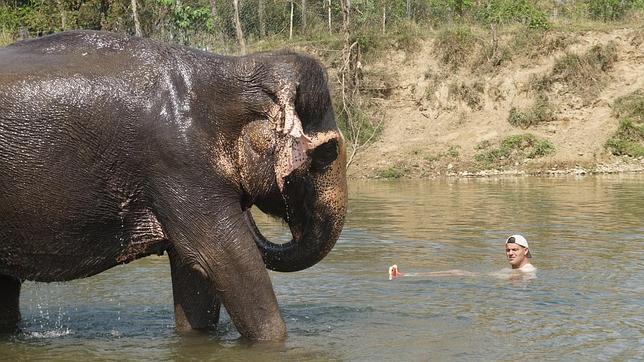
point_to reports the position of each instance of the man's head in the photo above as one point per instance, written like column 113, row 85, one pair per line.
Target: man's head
column 517, row 251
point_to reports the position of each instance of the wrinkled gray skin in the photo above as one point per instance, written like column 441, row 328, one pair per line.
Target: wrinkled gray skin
column 113, row 148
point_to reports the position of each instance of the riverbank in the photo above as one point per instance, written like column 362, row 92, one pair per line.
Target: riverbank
column 619, row 165
column 550, row 104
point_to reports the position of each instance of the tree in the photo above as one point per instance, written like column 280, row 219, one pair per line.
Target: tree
column 135, row 16
column 290, row 29
column 262, row 22
column 329, row 15
column 216, row 24
column 384, row 15
column 238, row 28
column 63, row 15
column 303, row 5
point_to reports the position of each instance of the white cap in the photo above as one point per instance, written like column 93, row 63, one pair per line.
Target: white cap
column 519, row 240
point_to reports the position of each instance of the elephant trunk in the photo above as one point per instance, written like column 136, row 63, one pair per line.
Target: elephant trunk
column 316, row 208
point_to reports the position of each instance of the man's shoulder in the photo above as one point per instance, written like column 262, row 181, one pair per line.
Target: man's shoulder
column 528, row 268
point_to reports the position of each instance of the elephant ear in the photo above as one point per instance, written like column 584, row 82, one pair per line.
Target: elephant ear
column 292, row 142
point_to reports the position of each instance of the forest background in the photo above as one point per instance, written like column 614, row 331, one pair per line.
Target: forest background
column 424, row 88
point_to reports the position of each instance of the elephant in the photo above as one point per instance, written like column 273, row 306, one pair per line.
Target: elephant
column 115, row 147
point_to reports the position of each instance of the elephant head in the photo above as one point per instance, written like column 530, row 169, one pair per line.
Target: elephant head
column 293, row 166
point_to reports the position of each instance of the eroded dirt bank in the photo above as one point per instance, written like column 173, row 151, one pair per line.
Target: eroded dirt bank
column 437, row 119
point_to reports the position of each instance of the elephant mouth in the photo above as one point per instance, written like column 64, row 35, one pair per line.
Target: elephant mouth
column 271, row 251
column 302, row 251
column 294, row 234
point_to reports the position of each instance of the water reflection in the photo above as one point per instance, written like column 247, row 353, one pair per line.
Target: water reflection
column 586, row 302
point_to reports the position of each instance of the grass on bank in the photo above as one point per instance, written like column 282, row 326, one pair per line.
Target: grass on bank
column 468, row 93
column 392, row 172
column 513, row 149
column 454, row 46
column 629, row 137
column 541, row 111
column 5, row 38
column 583, row 74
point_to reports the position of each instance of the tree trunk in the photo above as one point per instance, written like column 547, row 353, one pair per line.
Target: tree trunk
column 329, row 13
column 349, row 53
column 63, row 15
column 104, row 8
column 384, row 15
column 290, row 31
column 238, row 28
column 346, row 20
column 303, row 15
column 262, row 20
column 213, row 10
column 215, row 20
column 349, row 78
column 137, row 24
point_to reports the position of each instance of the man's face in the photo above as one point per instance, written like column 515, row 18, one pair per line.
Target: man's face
column 516, row 254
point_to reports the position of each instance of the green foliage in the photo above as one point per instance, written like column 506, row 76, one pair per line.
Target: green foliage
column 513, row 11
column 631, row 105
column 541, row 111
column 407, row 37
column 356, row 125
column 583, row 74
column 629, row 138
column 610, row 10
column 470, row 94
column 431, row 158
column 9, row 18
column 514, row 149
column 5, row 38
column 195, row 18
column 443, row 11
column 454, row 46
column 393, row 172
column 483, row 145
column 189, row 21
column 37, row 18
column 532, row 43
column 453, row 151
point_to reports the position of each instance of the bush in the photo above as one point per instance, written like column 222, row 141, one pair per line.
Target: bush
column 483, row 145
column 453, row 151
column 513, row 11
column 629, row 138
column 454, row 46
column 583, row 74
column 532, row 43
column 393, row 172
column 631, row 105
column 515, row 148
column 356, row 125
column 470, row 94
column 9, row 19
column 572, row 67
column 609, row 10
column 5, row 38
column 540, row 112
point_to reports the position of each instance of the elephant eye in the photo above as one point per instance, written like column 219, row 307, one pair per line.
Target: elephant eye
column 323, row 155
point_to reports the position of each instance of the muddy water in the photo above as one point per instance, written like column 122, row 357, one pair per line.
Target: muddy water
column 586, row 303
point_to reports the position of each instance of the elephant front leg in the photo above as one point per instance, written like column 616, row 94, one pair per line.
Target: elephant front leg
column 9, row 303
column 223, row 253
column 196, row 306
column 247, row 294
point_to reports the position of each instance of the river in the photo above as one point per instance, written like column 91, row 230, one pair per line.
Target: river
column 586, row 235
